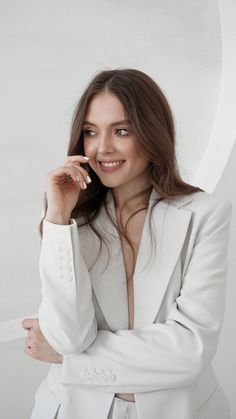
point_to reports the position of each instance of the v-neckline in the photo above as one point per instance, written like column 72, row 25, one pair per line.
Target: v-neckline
column 130, row 283
column 139, row 244
column 111, row 203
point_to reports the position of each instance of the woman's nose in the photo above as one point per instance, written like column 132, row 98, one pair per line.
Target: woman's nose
column 104, row 143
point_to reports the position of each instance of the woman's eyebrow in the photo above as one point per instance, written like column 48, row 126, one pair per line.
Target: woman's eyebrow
column 123, row 121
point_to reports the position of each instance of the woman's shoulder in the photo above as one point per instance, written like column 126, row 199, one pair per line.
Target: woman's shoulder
column 208, row 201
column 203, row 204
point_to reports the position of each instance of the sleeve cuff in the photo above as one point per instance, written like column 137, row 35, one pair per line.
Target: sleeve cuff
column 48, row 223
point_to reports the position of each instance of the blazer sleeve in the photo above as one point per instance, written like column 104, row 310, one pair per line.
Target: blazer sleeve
column 66, row 312
column 170, row 354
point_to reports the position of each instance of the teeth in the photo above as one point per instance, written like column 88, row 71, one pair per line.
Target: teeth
column 112, row 164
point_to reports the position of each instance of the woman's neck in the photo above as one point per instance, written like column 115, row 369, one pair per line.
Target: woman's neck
column 122, row 194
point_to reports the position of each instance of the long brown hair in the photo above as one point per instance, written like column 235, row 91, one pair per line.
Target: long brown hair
column 152, row 123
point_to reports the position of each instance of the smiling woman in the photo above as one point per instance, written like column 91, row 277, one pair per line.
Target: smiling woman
column 112, row 149
column 126, row 337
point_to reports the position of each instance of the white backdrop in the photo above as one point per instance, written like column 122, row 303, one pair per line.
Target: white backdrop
column 49, row 51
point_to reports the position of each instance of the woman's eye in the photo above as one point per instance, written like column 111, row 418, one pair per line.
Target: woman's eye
column 88, row 132
column 122, row 132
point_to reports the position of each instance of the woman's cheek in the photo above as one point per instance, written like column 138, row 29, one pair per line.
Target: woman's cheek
column 89, row 150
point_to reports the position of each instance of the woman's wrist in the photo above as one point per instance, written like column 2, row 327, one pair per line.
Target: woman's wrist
column 57, row 218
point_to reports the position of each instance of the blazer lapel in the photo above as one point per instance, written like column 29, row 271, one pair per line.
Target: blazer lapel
column 152, row 275
column 151, row 278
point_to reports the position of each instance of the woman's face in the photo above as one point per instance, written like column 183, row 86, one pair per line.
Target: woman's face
column 110, row 144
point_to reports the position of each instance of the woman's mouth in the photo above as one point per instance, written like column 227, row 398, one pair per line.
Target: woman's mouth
column 111, row 166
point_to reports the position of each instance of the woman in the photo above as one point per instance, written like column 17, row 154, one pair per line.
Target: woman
column 133, row 267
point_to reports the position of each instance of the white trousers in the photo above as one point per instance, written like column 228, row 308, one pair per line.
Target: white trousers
column 122, row 409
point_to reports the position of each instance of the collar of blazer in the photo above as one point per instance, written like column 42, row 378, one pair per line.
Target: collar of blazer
column 152, row 275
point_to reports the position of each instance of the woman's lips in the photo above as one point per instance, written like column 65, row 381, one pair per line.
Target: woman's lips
column 110, row 167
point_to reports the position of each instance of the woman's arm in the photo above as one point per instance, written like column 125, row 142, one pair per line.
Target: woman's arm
column 170, row 354
column 66, row 313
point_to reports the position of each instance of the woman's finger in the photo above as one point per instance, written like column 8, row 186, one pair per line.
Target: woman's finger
column 62, row 173
column 80, row 171
column 28, row 343
column 80, row 174
column 77, row 158
column 67, row 173
column 29, row 323
column 31, row 334
column 27, row 350
column 31, row 351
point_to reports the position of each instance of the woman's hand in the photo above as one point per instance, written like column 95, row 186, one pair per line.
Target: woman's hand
column 37, row 347
column 63, row 187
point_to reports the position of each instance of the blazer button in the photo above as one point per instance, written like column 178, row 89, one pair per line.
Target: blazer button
column 111, row 378
column 85, row 374
column 94, row 376
column 103, row 376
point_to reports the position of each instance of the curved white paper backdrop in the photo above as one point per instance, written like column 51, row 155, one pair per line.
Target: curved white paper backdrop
column 223, row 133
column 49, row 52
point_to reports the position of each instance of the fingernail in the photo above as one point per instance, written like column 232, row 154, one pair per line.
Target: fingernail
column 85, row 186
column 86, row 158
column 89, row 180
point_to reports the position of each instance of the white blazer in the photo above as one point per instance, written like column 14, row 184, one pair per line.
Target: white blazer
column 179, row 303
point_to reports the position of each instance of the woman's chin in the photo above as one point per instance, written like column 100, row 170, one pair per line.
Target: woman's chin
column 110, row 184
